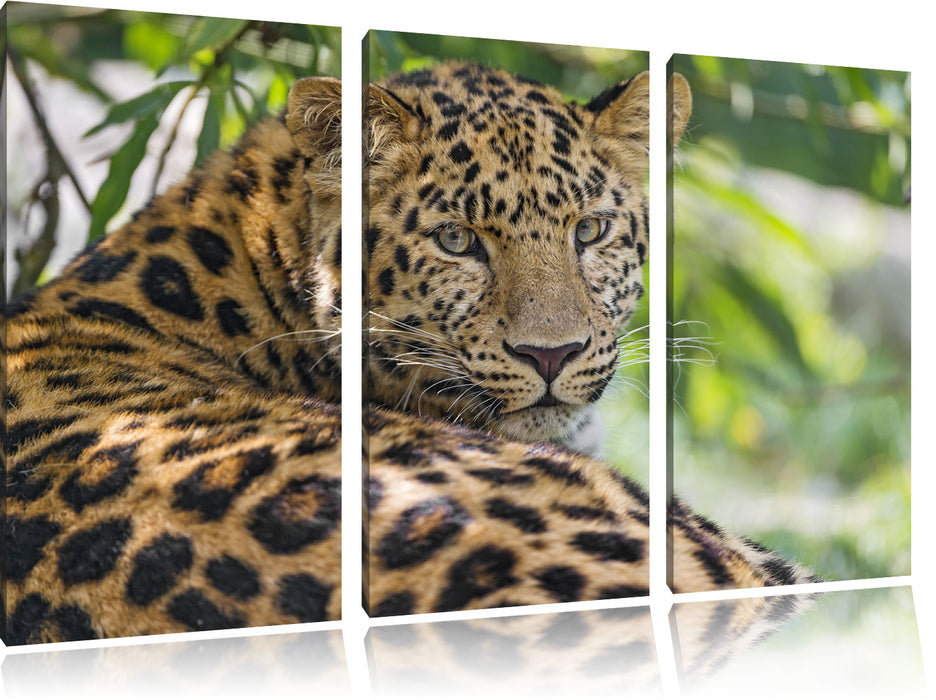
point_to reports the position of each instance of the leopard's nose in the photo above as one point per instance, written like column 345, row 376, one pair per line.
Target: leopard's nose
column 548, row 362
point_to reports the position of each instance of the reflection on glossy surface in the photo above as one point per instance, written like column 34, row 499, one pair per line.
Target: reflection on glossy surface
column 306, row 664
column 595, row 653
column 707, row 634
column 861, row 643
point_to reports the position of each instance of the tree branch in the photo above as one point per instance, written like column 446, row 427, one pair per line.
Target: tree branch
column 58, row 166
column 32, row 260
column 171, row 139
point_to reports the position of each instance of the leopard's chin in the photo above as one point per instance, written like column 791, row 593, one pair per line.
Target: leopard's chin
column 539, row 423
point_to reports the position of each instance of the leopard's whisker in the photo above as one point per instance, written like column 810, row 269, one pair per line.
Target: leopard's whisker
column 434, row 384
column 678, row 347
column 331, row 351
column 434, row 365
column 631, row 331
column 416, row 347
column 428, row 353
column 470, row 398
column 633, row 361
column 403, row 401
column 471, row 385
column 485, row 411
column 678, row 353
column 401, row 326
column 323, row 336
column 619, row 385
column 687, row 322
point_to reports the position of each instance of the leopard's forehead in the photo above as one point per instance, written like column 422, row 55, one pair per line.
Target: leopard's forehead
column 453, row 90
column 460, row 103
column 502, row 150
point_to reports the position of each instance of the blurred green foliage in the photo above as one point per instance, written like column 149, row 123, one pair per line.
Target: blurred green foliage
column 579, row 73
column 235, row 71
column 836, row 126
column 790, row 260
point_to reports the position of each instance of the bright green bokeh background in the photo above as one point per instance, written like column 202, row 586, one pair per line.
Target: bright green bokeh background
column 791, row 254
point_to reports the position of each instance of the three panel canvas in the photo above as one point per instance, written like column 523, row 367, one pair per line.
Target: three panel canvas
column 172, row 325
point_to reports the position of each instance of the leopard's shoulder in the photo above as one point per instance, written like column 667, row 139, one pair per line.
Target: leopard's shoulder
column 459, row 518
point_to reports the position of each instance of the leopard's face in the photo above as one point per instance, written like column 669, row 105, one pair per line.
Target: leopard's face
column 507, row 230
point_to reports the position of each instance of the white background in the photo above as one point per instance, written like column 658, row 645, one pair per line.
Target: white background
column 894, row 35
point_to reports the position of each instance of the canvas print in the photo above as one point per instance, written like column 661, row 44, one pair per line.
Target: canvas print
column 790, row 311
column 173, row 280
column 504, row 243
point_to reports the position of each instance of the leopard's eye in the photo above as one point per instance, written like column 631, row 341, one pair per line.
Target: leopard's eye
column 590, row 230
column 457, row 240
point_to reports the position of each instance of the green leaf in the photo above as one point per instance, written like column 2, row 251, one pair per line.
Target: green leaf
column 112, row 194
column 153, row 45
column 278, row 92
column 152, row 103
column 767, row 312
column 210, row 137
column 731, row 197
column 206, row 33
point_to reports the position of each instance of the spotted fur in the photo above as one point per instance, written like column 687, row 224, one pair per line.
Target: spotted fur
column 461, row 520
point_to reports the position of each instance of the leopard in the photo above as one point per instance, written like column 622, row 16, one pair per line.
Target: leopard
column 172, row 416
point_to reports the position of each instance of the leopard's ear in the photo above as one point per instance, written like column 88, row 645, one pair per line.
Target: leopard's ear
column 313, row 117
column 391, row 123
column 678, row 104
column 622, row 112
